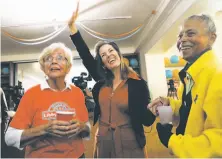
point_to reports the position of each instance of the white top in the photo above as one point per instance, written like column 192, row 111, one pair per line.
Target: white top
column 45, row 85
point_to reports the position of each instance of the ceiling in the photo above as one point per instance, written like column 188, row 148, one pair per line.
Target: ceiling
column 209, row 7
column 33, row 19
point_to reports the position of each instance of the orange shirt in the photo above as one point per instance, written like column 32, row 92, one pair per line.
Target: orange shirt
column 37, row 107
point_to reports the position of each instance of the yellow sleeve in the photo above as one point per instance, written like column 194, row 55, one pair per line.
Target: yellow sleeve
column 176, row 103
column 209, row 142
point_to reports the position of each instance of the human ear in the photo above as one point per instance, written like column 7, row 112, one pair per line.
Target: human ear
column 213, row 38
column 42, row 67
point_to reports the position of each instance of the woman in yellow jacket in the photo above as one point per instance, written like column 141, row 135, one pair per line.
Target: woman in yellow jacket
column 199, row 133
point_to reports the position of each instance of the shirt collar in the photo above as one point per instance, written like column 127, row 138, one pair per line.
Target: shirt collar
column 205, row 60
column 45, row 85
column 193, row 69
column 198, row 56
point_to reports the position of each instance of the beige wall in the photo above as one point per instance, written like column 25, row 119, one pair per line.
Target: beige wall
column 156, row 75
column 218, row 44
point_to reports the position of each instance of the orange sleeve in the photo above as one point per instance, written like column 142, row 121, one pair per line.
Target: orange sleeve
column 25, row 112
column 81, row 110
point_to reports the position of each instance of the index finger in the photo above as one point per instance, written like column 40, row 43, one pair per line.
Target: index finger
column 154, row 103
column 73, row 121
column 77, row 9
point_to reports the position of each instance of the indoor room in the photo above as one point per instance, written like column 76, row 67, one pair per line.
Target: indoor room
column 146, row 32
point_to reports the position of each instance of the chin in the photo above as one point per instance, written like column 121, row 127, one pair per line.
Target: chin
column 185, row 58
column 54, row 77
column 186, row 55
column 114, row 67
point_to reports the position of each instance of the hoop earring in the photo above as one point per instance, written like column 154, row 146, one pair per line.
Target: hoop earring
column 46, row 77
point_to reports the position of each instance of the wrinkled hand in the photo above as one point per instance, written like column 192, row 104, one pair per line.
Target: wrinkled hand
column 71, row 23
column 75, row 128
column 57, row 128
column 164, row 133
column 160, row 101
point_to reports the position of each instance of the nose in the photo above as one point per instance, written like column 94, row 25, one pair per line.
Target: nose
column 54, row 60
column 183, row 38
column 108, row 53
column 178, row 44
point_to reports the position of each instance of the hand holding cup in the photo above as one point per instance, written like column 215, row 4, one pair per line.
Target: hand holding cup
column 165, row 114
column 160, row 101
column 65, row 115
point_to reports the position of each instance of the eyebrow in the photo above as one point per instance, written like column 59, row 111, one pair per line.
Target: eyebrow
column 102, row 53
column 190, row 30
column 185, row 31
column 110, row 49
column 59, row 53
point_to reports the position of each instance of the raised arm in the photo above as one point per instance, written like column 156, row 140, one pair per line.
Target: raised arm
column 83, row 50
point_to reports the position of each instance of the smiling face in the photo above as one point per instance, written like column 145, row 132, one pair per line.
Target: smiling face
column 193, row 39
column 109, row 56
column 55, row 64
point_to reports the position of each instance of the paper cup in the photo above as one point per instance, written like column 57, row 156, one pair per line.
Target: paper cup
column 65, row 115
column 165, row 114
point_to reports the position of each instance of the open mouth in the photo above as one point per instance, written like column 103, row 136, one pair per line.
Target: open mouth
column 54, row 69
column 112, row 60
column 184, row 48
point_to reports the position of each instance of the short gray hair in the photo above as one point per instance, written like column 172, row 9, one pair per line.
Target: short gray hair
column 51, row 48
column 206, row 19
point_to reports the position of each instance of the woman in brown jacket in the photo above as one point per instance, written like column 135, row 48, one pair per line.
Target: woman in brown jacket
column 121, row 97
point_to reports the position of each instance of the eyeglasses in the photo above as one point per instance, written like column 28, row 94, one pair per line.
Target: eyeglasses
column 59, row 59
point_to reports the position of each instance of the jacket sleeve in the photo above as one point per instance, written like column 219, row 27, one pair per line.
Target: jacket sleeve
column 4, row 115
column 208, row 143
column 88, row 60
column 176, row 103
column 148, row 117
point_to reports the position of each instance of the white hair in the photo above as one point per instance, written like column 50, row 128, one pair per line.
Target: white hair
column 207, row 20
column 51, row 48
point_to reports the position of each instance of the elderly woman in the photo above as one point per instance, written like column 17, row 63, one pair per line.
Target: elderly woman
column 121, row 97
column 35, row 124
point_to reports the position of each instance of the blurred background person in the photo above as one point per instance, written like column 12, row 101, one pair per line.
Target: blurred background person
column 4, row 122
column 4, row 114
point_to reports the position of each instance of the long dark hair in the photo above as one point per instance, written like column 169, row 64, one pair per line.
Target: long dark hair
column 108, row 76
